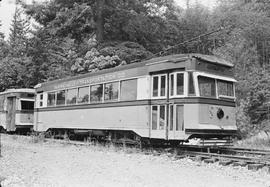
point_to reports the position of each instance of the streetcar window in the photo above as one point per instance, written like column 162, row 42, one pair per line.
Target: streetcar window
column 159, row 86
column 51, row 99
column 155, row 86
column 161, row 117
column 27, row 105
column 191, row 90
column 111, row 91
column 154, row 117
column 128, row 90
column 162, row 85
column 2, row 101
column 96, row 93
column 207, row 86
column 172, row 84
column 60, row 97
column 41, row 100
column 180, row 84
column 83, row 95
column 72, row 96
column 225, row 88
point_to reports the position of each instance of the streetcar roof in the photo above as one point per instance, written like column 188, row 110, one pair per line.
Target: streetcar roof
column 18, row 90
column 165, row 59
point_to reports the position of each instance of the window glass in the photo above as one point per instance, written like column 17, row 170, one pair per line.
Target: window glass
column 207, row 86
column 128, row 90
column 72, row 96
column 96, row 93
column 191, row 89
column 180, row 84
column 163, row 85
column 111, row 91
column 51, row 99
column 27, row 105
column 155, row 86
column 2, row 101
column 172, row 84
column 154, row 117
column 61, row 97
column 83, row 95
column 225, row 88
column 41, row 100
column 171, row 117
column 161, row 117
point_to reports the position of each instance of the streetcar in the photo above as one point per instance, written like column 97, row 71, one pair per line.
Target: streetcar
column 17, row 110
column 165, row 99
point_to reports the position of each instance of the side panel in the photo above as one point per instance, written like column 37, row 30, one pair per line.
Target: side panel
column 134, row 118
column 205, row 116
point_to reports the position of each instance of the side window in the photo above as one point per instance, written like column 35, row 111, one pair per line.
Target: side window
column 111, row 91
column 155, row 86
column 96, row 93
column 207, row 86
column 61, row 97
column 159, row 87
column 163, row 85
column 40, row 100
column 171, row 84
column 72, row 96
column 128, row 90
column 51, row 99
column 83, row 95
column 177, row 84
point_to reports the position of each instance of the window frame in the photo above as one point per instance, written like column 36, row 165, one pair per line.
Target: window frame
column 120, row 90
column 159, row 86
column 175, row 84
column 158, row 118
column 215, row 77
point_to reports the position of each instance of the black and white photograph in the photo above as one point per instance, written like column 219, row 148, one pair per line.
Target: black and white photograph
column 134, row 93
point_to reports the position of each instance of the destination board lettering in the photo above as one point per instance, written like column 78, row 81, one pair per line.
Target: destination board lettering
column 91, row 80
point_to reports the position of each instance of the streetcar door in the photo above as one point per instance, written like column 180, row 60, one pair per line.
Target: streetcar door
column 158, row 121
column 176, row 122
column 11, row 109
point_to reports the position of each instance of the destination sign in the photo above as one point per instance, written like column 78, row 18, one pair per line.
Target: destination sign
column 90, row 80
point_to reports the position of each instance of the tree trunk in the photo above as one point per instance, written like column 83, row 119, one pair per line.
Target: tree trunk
column 100, row 21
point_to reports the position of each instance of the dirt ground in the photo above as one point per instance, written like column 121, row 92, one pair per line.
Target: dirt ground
column 25, row 163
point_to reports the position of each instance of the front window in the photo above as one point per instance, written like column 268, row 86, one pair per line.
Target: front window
column 225, row 88
column 180, row 84
column 207, row 86
column 27, row 105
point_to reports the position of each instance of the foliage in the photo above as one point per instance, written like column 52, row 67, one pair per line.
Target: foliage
column 80, row 36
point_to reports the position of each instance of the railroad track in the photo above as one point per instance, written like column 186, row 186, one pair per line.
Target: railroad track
column 253, row 158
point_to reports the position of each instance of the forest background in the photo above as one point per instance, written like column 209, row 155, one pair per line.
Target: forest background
column 72, row 37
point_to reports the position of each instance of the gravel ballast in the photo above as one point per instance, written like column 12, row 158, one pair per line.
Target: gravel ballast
column 25, row 163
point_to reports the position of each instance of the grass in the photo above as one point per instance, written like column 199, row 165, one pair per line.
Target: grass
column 258, row 141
